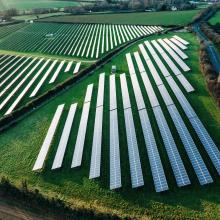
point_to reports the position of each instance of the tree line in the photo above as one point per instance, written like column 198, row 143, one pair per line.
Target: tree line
column 37, row 202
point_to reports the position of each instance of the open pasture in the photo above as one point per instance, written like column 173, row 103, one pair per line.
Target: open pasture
column 22, row 78
column 75, row 40
column 185, row 197
column 165, row 18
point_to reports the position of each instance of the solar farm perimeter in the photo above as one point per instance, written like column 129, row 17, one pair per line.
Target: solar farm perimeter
column 167, row 137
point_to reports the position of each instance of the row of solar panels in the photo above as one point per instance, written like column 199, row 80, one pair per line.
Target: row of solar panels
column 16, row 71
column 134, row 158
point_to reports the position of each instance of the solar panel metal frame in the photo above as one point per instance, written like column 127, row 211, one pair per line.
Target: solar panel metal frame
column 124, row 91
column 130, row 63
column 165, row 95
column 113, row 99
column 185, row 83
column 160, row 64
column 95, row 164
column 196, row 160
column 133, row 152
column 157, row 170
column 166, row 58
column 181, row 40
column 176, row 49
column 58, row 160
column 176, row 162
column 48, row 139
column 152, row 69
column 173, row 54
column 178, row 43
column 189, row 111
column 115, row 166
column 88, row 96
column 148, row 87
column 100, row 95
column 207, row 142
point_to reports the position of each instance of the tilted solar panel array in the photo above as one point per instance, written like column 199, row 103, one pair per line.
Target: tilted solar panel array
column 115, row 166
column 153, row 91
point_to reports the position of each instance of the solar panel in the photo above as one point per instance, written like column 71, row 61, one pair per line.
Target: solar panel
column 27, row 87
column 68, row 66
column 48, row 139
column 18, row 76
column 113, row 100
column 151, row 67
column 166, row 58
column 139, row 62
column 8, row 63
column 181, row 98
column 137, row 92
column 78, row 151
column 14, row 71
column 148, row 87
column 181, row 40
column 55, row 75
column 185, row 83
column 197, row 162
column 96, row 145
column 157, row 59
column 11, row 67
column 176, row 49
column 187, row 86
column 43, row 79
column 177, row 59
column 124, row 91
column 179, row 44
column 58, row 160
column 164, row 93
column 202, row 133
column 133, row 152
column 207, row 142
column 177, row 165
column 88, row 93
column 130, row 63
column 100, row 96
column 157, row 170
column 115, row 167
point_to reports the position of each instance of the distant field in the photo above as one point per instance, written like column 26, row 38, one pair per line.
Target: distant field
column 19, row 147
column 215, row 19
column 30, row 4
column 142, row 18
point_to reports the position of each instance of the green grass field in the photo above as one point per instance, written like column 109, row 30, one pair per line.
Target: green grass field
column 144, row 18
column 215, row 19
column 30, row 4
column 19, row 147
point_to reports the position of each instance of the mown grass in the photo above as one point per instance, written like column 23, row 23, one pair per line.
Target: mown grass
column 19, row 147
column 142, row 18
column 215, row 19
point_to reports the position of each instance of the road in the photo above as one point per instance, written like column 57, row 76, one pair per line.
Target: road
column 211, row 50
